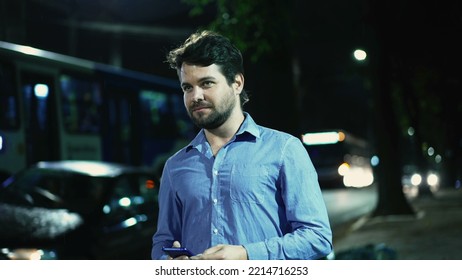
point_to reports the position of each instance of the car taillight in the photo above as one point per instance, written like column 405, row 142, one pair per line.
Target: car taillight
column 150, row 184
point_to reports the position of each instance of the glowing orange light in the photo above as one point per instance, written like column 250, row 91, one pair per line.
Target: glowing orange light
column 150, row 184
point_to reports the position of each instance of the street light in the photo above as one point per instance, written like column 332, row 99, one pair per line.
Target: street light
column 360, row 54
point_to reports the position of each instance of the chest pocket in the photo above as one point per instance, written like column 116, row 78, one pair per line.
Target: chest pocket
column 248, row 183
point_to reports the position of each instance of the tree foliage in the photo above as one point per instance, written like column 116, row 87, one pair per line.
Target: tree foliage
column 251, row 25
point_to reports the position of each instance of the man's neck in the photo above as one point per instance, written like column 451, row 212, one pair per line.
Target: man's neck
column 219, row 136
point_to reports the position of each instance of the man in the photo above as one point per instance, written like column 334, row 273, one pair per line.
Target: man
column 238, row 190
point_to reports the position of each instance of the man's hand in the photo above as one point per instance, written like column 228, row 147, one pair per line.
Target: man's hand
column 223, row 252
column 177, row 244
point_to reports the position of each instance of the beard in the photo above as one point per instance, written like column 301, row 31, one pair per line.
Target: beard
column 216, row 117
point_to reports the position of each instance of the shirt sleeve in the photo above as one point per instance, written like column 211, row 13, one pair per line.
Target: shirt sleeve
column 311, row 235
column 168, row 225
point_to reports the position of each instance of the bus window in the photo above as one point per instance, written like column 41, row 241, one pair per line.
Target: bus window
column 158, row 116
column 120, row 133
column 40, row 117
column 9, row 116
column 185, row 127
column 81, row 103
column 11, row 137
column 159, row 132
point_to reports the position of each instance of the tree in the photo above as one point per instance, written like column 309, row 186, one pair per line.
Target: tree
column 391, row 199
column 421, row 70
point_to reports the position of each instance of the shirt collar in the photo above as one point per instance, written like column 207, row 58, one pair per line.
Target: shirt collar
column 248, row 128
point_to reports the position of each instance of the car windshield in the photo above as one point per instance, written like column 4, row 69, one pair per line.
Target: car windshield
column 58, row 189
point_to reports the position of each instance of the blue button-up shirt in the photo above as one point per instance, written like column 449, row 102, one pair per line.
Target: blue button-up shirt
column 260, row 191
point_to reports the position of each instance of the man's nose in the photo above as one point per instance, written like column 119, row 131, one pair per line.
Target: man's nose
column 197, row 94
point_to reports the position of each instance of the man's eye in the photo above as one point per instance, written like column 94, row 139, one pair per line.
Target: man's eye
column 207, row 84
column 186, row 88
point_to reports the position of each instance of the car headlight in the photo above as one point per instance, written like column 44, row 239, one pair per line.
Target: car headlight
column 416, row 179
column 28, row 254
column 432, row 179
column 343, row 169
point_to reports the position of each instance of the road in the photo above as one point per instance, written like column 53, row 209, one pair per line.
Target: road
column 345, row 204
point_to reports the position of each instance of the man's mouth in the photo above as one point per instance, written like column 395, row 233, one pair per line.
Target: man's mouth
column 199, row 108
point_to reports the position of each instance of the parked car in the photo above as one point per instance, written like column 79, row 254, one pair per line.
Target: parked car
column 417, row 182
column 78, row 210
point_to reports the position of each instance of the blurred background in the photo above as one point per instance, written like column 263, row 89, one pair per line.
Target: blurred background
column 88, row 80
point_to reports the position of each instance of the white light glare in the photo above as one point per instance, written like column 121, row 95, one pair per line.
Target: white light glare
column 416, row 179
column 125, row 202
column 410, row 131
column 358, row 177
column 90, row 168
column 322, row 138
column 438, row 158
column 432, row 180
column 360, row 55
column 431, row 151
column 129, row 222
column 29, row 50
column 41, row 90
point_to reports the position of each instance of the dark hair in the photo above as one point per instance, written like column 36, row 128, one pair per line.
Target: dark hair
column 205, row 48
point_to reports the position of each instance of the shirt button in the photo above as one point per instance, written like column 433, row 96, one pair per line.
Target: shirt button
column 215, row 172
column 215, row 231
column 215, row 201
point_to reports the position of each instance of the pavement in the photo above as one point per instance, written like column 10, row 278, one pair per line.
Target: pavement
column 433, row 233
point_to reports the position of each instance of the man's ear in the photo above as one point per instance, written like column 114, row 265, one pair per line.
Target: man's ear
column 238, row 84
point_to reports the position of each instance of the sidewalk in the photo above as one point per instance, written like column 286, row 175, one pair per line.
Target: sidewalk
column 434, row 233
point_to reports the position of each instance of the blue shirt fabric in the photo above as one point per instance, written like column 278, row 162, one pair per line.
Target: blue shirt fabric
column 260, row 191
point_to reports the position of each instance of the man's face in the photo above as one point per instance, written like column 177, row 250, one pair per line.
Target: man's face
column 208, row 98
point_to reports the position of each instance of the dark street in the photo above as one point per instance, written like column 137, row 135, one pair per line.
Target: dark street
column 88, row 80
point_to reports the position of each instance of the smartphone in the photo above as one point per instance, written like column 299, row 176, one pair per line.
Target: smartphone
column 176, row 252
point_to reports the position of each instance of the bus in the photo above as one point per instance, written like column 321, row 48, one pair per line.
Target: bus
column 341, row 159
column 56, row 107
